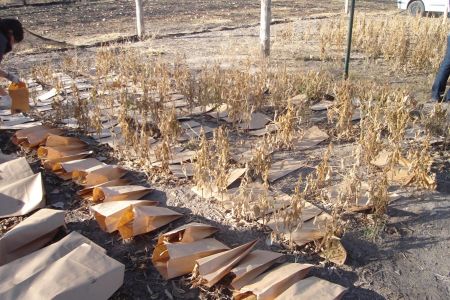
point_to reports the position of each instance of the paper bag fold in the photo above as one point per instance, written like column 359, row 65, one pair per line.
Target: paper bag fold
column 313, row 288
column 271, row 284
column 98, row 175
column 187, row 233
column 176, row 259
column 31, row 234
column 147, row 219
column 212, row 269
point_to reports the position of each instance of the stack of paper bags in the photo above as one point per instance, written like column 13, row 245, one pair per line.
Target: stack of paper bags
column 177, row 250
column 112, row 215
column 34, row 136
column 211, row 269
column 60, row 149
column 31, row 234
column 21, row 191
column 273, row 283
column 73, row 268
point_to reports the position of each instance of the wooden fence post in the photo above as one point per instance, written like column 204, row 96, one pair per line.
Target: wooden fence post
column 139, row 19
column 264, row 34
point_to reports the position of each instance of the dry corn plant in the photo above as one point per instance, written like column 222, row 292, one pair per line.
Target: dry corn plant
column 292, row 215
column 420, row 161
column 342, row 112
column 397, row 118
column 202, row 165
column 329, row 246
column 222, row 150
column 285, row 124
column 379, row 197
column 262, row 159
column 437, row 122
column 402, row 41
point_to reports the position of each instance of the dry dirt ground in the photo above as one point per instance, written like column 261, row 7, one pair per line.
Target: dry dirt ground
column 408, row 260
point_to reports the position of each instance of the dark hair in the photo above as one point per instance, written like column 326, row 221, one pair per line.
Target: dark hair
column 14, row 26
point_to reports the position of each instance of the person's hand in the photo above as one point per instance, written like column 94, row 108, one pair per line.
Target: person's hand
column 13, row 77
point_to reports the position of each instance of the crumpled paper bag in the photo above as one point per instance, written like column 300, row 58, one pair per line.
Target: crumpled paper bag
column 251, row 266
column 111, row 215
column 22, row 196
column 147, row 219
column 176, row 259
column 187, row 233
column 271, row 284
column 14, row 170
column 211, row 269
column 84, row 273
column 31, row 234
column 121, row 192
column 313, row 288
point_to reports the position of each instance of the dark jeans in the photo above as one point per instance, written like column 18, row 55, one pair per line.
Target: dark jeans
column 442, row 76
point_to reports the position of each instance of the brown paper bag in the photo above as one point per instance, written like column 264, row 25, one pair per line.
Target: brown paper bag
column 84, row 273
column 312, row 137
column 55, row 164
column 211, row 269
column 87, row 164
column 31, row 234
column 48, row 153
column 312, row 228
column 34, row 136
column 58, row 141
column 14, row 170
column 313, row 288
column 121, row 192
column 20, row 97
column 251, row 266
column 25, row 267
column 111, row 215
column 22, row 196
column 271, row 284
column 147, row 219
column 187, row 233
column 87, row 192
column 176, row 259
column 98, row 176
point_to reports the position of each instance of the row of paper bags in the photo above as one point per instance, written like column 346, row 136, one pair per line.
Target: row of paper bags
column 121, row 210
column 190, row 249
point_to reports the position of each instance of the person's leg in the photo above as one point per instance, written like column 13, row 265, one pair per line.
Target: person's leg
column 442, row 76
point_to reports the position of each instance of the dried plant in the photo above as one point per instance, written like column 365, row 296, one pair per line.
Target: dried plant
column 420, row 161
column 342, row 112
column 285, row 125
column 222, row 151
column 202, row 165
column 292, row 216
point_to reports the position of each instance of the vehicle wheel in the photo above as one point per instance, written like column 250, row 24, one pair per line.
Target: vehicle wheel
column 416, row 8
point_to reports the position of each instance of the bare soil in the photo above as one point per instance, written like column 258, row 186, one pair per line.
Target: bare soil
column 409, row 259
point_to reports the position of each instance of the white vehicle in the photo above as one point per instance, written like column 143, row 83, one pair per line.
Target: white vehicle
column 421, row 7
